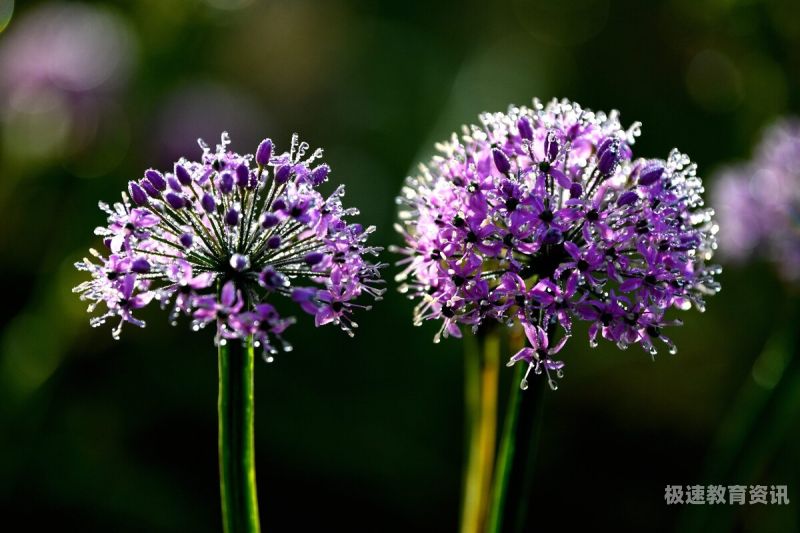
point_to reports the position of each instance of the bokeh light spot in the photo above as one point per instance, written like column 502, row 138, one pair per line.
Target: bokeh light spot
column 30, row 354
column 714, row 82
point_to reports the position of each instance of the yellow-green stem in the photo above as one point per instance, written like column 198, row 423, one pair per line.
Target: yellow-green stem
column 237, row 463
column 481, row 376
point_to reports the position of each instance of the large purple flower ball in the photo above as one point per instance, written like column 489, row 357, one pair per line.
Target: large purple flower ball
column 542, row 216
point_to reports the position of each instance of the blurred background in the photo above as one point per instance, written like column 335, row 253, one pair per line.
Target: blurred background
column 365, row 434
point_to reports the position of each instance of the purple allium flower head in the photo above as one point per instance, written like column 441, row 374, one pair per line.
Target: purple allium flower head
column 759, row 201
column 221, row 265
column 542, row 217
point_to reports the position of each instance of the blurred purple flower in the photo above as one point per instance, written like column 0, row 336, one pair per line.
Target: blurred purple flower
column 60, row 66
column 72, row 47
column 758, row 202
column 192, row 255
column 541, row 216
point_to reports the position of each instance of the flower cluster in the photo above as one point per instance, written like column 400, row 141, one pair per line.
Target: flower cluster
column 542, row 216
column 216, row 238
column 759, row 201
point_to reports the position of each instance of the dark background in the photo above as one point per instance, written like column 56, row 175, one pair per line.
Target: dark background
column 365, row 434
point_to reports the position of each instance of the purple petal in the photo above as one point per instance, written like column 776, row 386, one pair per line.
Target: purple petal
column 228, row 296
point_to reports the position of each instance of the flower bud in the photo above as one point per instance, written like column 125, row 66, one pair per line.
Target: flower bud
column 501, row 161
column 274, row 242
column 232, row 217
column 208, row 203
column 242, row 175
column 140, row 266
column 174, row 200
column 183, row 175
column 264, row 152
column 269, row 220
column 651, row 173
column 282, row 174
column 149, row 189
column 174, row 184
column 313, row 258
column 226, row 183
column 138, row 195
column 608, row 157
column 551, row 145
column 319, row 174
column 627, row 198
column 156, row 179
column 525, row 129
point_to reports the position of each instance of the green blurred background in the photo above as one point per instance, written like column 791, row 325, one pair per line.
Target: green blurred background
column 365, row 434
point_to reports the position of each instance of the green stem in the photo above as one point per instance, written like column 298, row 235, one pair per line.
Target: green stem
column 517, row 454
column 237, row 462
column 482, row 368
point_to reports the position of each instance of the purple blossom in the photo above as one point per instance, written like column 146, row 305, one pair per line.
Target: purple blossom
column 217, row 248
column 538, row 355
column 541, row 216
column 758, row 202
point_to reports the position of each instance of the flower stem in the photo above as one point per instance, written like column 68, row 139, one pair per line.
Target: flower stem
column 480, row 388
column 237, row 464
column 517, row 455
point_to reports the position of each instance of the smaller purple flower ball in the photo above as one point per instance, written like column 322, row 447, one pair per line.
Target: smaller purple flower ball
column 200, row 245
